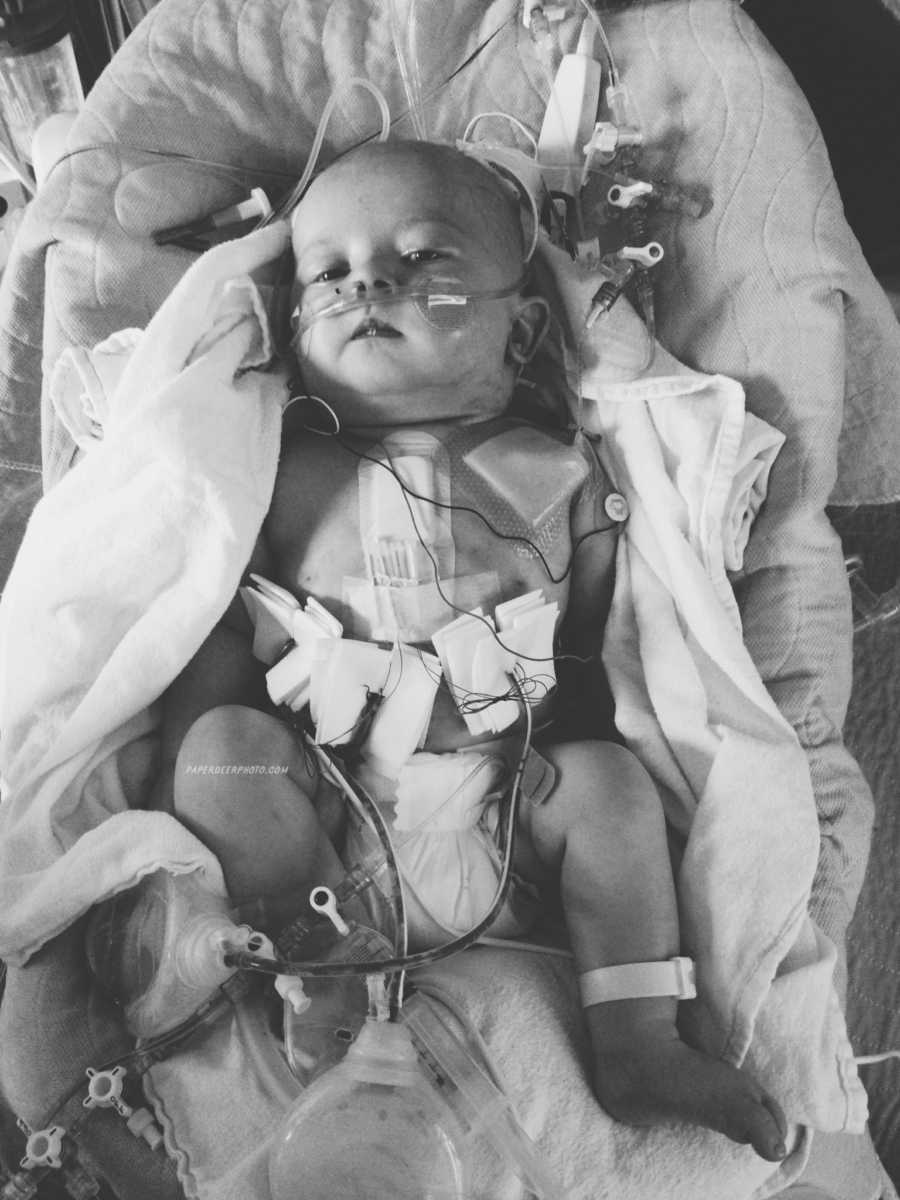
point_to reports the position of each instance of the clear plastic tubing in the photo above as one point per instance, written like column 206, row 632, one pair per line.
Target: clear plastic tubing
column 481, row 1107
column 38, row 73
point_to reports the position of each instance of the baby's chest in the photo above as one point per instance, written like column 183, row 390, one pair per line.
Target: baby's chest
column 398, row 538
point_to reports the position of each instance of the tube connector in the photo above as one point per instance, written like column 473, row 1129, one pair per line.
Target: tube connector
column 607, row 139
column 619, row 268
column 105, row 1091
column 537, row 16
column 21, row 1186
column 291, row 989
column 44, row 1148
column 606, row 295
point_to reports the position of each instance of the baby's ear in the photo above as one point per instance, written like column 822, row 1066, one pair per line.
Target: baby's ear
column 529, row 326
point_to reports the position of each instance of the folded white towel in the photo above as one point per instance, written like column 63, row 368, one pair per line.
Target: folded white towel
column 125, row 567
column 715, row 456
column 692, row 706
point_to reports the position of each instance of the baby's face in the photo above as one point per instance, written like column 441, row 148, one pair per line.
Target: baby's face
column 392, row 216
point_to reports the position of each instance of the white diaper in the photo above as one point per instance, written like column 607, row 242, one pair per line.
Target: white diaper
column 444, row 813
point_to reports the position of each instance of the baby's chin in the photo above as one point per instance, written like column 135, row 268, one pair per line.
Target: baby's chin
column 393, row 411
column 391, row 402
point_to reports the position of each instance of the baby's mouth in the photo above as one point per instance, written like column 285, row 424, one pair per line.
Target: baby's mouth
column 371, row 327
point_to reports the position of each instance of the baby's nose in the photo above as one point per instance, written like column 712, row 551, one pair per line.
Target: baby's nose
column 374, row 275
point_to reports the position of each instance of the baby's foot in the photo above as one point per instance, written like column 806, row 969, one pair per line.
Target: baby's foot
column 660, row 1079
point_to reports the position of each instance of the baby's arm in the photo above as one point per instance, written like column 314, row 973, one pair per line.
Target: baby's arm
column 223, row 671
column 585, row 705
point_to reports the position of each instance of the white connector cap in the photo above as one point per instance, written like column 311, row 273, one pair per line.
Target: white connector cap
column 291, row 989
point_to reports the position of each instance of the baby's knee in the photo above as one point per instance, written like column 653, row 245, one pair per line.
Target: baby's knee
column 228, row 749
column 232, row 739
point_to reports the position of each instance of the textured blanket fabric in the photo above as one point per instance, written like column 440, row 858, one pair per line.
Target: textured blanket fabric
column 873, row 1001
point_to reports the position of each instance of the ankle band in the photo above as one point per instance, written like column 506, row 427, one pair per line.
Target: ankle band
column 633, row 981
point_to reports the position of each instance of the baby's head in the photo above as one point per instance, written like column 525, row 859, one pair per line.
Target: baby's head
column 406, row 214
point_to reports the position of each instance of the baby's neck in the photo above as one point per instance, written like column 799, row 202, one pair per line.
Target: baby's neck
column 436, row 427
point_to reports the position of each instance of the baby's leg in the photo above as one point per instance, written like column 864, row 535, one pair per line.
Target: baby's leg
column 243, row 786
column 603, row 829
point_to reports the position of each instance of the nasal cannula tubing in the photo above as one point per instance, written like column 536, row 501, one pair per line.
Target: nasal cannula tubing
column 446, row 310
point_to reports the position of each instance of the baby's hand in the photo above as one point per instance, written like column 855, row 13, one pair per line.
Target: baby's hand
column 615, row 348
column 214, row 312
column 184, row 316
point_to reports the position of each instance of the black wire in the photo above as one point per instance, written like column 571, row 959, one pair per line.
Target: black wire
column 467, row 612
column 506, row 537
column 150, row 1049
column 356, row 733
column 408, row 492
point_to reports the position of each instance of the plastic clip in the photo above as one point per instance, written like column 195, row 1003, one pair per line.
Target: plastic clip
column 625, row 195
column 323, row 900
column 643, row 256
column 628, row 193
column 619, row 268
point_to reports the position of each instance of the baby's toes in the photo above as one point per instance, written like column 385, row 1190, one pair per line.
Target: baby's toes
column 756, row 1118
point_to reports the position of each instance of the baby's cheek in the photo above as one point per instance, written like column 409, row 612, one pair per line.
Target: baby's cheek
column 314, row 352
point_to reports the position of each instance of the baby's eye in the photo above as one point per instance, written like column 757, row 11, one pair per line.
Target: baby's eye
column 422, row 256
column 329, row 274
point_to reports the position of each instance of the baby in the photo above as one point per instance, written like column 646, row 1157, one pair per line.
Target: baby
column 427, row 500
